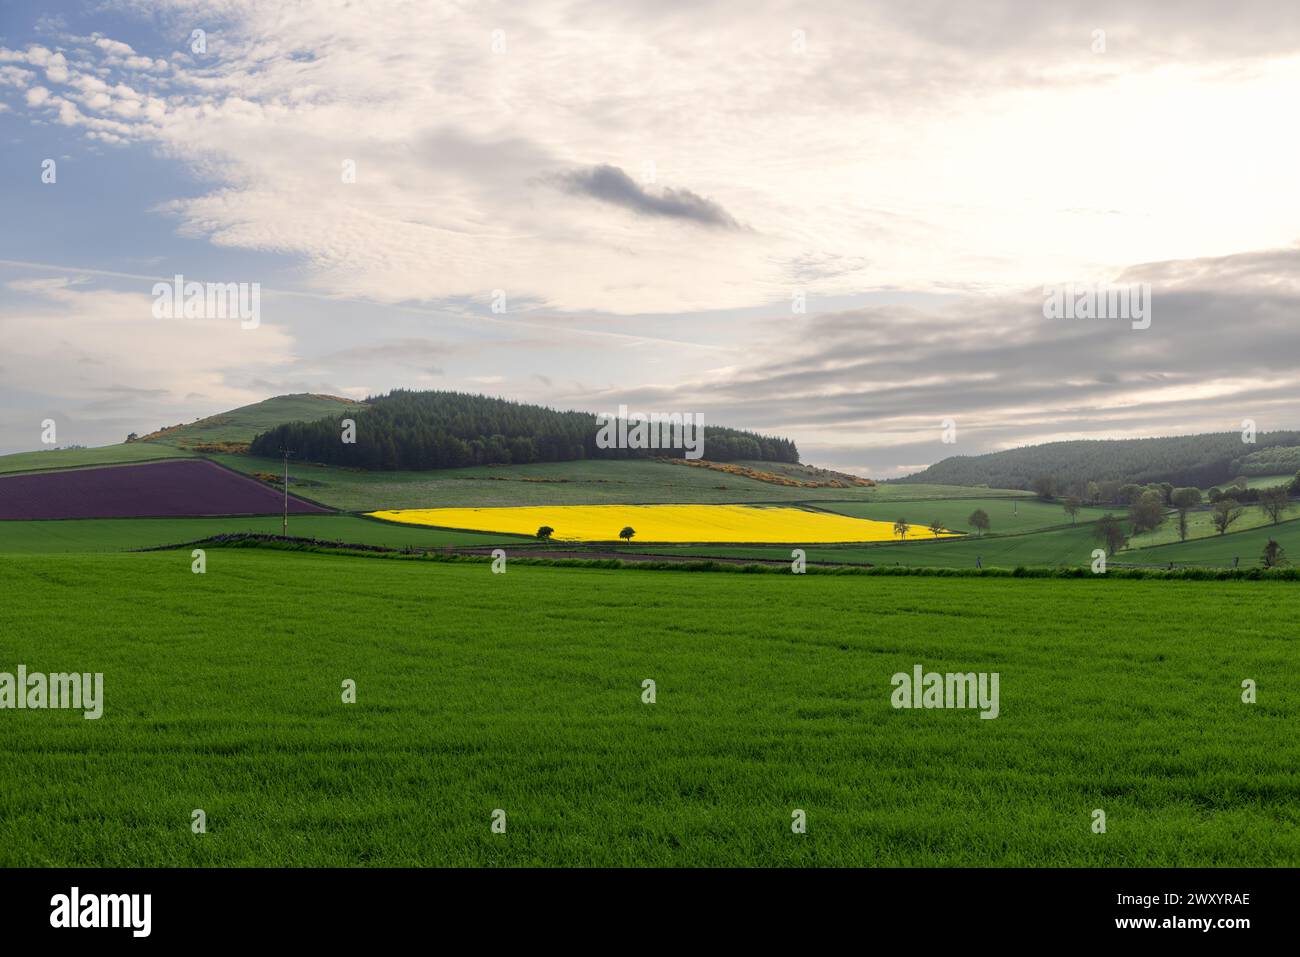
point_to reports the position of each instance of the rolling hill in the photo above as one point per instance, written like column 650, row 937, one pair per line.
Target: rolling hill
column 1192, row 460
column 227, row 431
column 421, row 430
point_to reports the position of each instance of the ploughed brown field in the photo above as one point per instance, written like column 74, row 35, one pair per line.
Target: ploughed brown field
column 152, row 490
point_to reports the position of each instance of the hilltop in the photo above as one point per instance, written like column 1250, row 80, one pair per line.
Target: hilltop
column 233, row 431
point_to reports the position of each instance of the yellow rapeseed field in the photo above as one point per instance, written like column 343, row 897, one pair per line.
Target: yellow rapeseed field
column 660, row 523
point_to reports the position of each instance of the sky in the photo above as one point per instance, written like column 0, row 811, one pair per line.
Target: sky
column 832, row 221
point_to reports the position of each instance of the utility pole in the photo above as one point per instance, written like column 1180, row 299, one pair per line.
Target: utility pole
column 284, row 526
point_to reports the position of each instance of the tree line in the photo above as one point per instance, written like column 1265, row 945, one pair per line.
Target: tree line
column 410, row 430
column 1150, row 507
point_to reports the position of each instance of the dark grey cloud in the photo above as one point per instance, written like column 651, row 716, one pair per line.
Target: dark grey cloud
column 609, row 184
column 870, row 387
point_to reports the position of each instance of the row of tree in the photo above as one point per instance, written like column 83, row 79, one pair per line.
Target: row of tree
column 902, row 528
column 1149, row 507
column 1117, row 493
column 1149, row 512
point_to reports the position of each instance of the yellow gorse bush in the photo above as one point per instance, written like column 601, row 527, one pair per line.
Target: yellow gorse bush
column 837, row 480
column 657, row 523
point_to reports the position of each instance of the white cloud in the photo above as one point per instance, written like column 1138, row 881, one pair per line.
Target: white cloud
column 985, row 151
column 115, row 47
column 976, row 173
column 90, row 342
column 15, row 76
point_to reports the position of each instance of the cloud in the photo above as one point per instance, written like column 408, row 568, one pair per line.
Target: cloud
column 838, row 156
column 609, row 184
column 88, row 350
column 409, row 352
column 967, row 153
column 870, row 387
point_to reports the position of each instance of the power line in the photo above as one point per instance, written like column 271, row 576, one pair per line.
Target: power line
column 284, row 525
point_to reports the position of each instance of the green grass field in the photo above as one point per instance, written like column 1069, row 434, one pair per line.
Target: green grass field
column 522, row 692
column 1006, row 516
column 586, row 482
column 124, row 534
column 1247, row 545
column 1024, row 531
column 1200, row 524
column 87, row 458
column 1066, row 546
column 1269, row 481
column 551, row 483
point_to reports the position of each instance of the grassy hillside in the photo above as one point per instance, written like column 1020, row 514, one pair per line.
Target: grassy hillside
column 584, row 482
column 241, row 425
column 523, row 692
column 87, row 458
column 1200, row 524
column 559, row 483
column 1247, row 545
column 236, row 427
column 1184, row 460
column 124, row 534
column 1269, row 481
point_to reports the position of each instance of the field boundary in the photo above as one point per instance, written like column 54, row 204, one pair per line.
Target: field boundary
column 482, row 555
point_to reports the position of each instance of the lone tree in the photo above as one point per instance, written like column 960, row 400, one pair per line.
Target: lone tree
column 1273, row 555
column 1185, row 499
column 1044, row 487
column 979, row 520
column 901, row 528
column 1072, row 506
column 1226, row 511
column 1274, row 501
column 1109, row 530
column 545, row 533
column 936, row 528
column 627, row 533
column 1148, row 512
